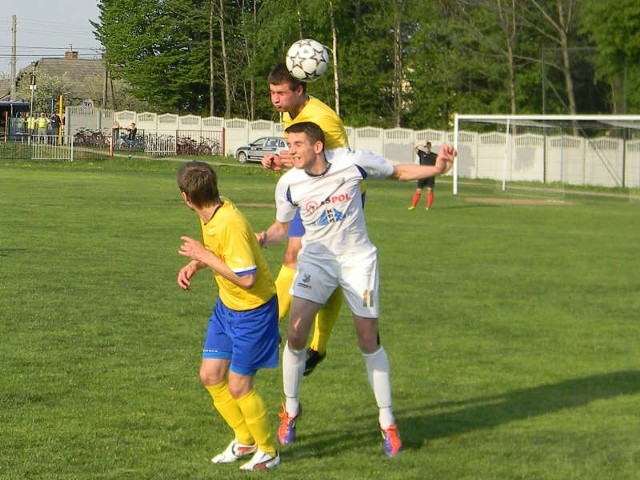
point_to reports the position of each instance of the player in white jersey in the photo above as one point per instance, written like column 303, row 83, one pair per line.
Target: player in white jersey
column 336, row 251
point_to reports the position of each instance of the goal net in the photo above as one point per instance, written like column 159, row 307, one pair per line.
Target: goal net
column 548, row 150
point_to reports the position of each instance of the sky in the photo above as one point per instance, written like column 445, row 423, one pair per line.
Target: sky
column 46, row 28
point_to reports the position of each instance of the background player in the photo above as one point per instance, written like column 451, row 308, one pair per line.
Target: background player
column 337, row 252
column 425, row 157
column 289, row 97
column 242, row 336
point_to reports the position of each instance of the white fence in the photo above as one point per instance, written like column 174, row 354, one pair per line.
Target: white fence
column 608, row 162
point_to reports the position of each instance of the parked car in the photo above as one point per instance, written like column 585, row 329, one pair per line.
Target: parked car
column 259, row 148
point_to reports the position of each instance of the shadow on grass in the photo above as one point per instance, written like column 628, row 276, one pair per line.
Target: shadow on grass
column 5, row 252
column 431, row 421
column 418, row 425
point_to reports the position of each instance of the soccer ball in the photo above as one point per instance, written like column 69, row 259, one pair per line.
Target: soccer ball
column 307, row 60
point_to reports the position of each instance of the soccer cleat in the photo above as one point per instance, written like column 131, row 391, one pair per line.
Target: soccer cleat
column 313, row 359
column 287, row 428
column 426, row 208
column 411, row 208
column 234, row 452
column 261, row 461
column 392, row 444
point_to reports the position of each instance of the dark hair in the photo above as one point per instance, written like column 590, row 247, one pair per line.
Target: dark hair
column 200, row 183
column 428, row 144
column 280, row 75
column 313, row 131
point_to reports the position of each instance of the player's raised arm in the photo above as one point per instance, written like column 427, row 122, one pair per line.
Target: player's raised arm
column 411, row 171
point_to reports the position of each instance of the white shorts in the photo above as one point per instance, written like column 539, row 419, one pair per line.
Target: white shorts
column 317, row 278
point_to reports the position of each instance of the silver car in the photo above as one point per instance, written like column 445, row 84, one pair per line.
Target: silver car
column 259, row 148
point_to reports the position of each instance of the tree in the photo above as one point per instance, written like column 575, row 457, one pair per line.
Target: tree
column 560, row 18
column 161, row 49
column 47, row 92
column 395, row 62
column 614, row 29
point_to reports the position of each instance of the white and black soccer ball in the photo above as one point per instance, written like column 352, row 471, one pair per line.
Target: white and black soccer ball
column 307, row 60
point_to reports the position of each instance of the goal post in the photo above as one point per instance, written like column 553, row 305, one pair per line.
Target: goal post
column 583, row 150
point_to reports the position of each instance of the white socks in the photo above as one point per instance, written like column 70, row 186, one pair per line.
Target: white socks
column 378, row 372
column 293, row 362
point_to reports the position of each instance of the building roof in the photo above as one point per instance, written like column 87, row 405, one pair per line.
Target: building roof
column 79, row 71
column 5, row 88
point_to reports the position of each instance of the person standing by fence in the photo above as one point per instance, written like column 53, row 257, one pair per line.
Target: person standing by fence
column 132, row 131
column 43, row 126
column 31, row 124
column 54, row 125
column 426, row 157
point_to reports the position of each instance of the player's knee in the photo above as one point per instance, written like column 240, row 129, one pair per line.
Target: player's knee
column 369, row 347
column 296, row 341
column 369, row 342
column 207, row 379
column 238, row 389
column 211, row 376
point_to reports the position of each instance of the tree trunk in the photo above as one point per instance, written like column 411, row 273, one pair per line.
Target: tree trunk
column 618, row 100
column 225, row 63
column 397, row 71
column 211, row 76
column 336, row 79
column 508, row 20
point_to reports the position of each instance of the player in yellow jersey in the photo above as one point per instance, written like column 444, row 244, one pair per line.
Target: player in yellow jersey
column 242, row 336
column 289, row 96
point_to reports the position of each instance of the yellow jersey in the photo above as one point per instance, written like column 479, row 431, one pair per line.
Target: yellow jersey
column 230, row 236
column 326, row 118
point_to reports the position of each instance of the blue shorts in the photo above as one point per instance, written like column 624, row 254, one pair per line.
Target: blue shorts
column 296, row 229
column 249, row 339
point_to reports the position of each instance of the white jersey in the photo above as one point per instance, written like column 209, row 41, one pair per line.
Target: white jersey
column 331, row 204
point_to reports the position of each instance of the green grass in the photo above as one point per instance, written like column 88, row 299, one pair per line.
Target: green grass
column 510, row 318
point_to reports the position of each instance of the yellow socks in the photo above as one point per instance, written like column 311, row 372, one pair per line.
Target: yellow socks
column 283, row 285
column 325, row 321
column 228, row 408
column 255, row 416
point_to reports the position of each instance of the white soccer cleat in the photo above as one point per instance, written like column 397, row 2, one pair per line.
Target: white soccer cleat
column 261, row 461
column 235, row 451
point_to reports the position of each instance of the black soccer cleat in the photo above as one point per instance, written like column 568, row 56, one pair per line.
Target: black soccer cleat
column 313, row 359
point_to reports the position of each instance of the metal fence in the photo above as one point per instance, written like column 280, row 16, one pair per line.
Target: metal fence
column 92, row 133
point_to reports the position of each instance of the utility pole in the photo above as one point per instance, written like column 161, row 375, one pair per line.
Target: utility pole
column 32, row 87
column 14, row 29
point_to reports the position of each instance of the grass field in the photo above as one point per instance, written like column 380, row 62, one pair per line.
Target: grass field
column 511, row 320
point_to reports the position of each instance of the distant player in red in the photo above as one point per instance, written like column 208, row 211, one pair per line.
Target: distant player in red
column 426, row 157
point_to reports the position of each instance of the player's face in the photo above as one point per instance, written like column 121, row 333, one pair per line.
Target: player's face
column 285, row 99
column 304, row 153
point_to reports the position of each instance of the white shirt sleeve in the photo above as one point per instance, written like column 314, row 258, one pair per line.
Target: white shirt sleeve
column 375, row 165
column 285, row 210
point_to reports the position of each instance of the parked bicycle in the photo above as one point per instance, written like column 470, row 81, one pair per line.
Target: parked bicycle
column 90, row 138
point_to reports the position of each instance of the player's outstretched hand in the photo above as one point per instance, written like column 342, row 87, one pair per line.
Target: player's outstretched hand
column 192, row 249
column 262, row 238
column 185, row 274
column 446, row 157
column 270, row 162
column 277, row 161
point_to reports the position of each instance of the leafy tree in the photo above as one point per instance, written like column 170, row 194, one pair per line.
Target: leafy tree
column 614, row 28
column 406, row 63
column 160, row 48
column 48, row 90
